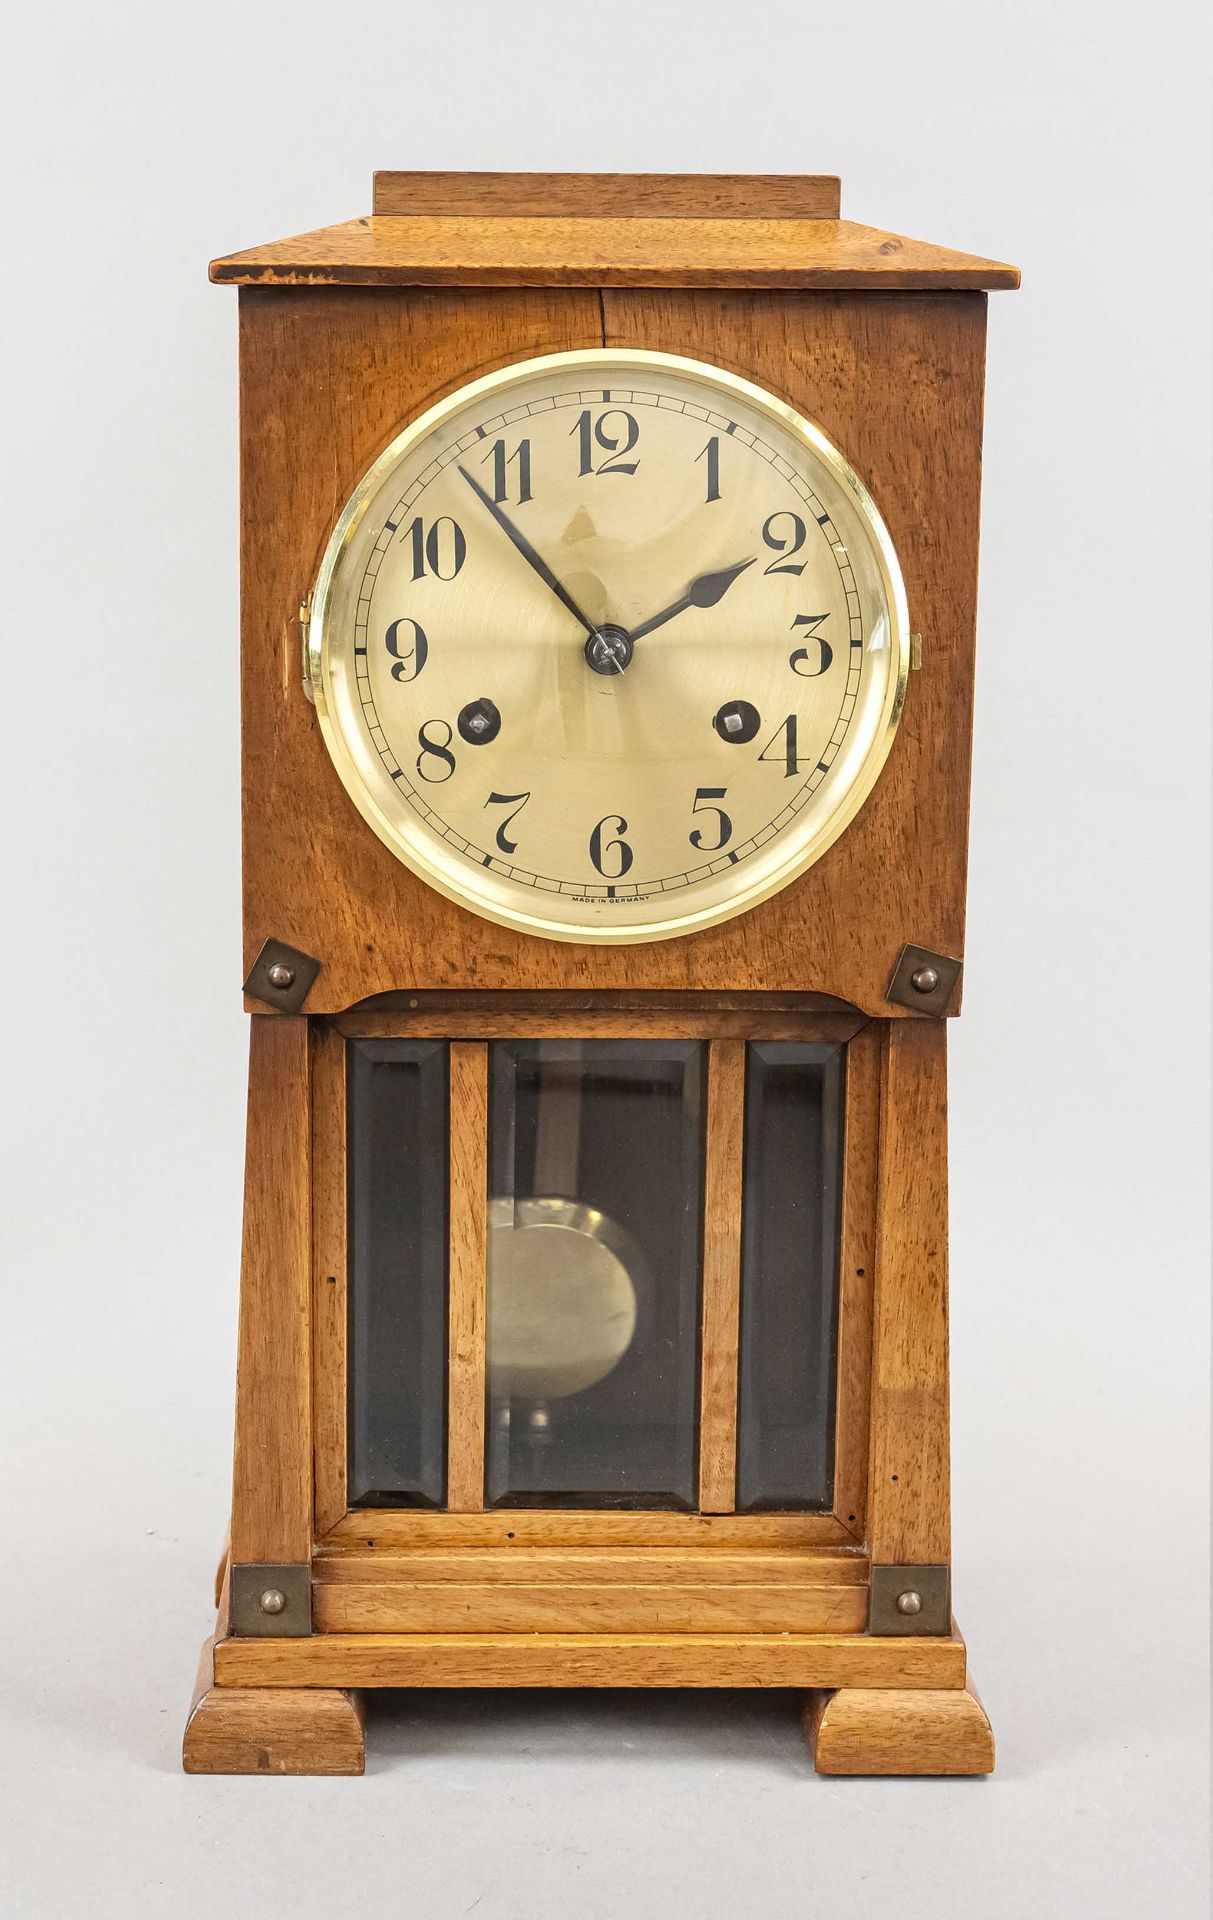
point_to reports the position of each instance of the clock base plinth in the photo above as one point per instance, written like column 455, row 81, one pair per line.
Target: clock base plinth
column 275, row 1707
column 283, row 1730
column 894, row 1730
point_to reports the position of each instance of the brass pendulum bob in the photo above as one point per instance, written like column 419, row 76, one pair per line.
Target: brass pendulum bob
column 562, row 1274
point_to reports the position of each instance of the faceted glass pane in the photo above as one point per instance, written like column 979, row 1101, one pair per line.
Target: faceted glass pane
column 595, row 1231
column 397, row 1201
column 789, row 1276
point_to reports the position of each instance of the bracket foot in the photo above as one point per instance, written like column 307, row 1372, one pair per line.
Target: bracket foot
column 898, row 1730
column 271, row 1729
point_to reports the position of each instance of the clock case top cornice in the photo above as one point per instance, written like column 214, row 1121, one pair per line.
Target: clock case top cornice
column 609, row 230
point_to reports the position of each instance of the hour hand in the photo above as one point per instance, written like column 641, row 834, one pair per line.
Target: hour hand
column 528, row 552
column 703, row 592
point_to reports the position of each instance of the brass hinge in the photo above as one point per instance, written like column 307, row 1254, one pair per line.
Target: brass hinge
column 305, row 627
column 915, row 652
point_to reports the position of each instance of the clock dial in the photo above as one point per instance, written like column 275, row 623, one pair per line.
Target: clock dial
column 609, row 646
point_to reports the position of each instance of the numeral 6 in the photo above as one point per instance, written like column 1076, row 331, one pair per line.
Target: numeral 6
column 600, row 852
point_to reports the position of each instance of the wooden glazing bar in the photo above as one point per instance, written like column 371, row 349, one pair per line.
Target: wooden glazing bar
column 272, row 1477
column 721, row 1276
column 468, row 1276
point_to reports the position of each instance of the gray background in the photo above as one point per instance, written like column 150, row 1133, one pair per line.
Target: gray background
column 142, row 139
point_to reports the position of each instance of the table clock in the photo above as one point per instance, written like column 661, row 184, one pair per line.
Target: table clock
column 608, row 578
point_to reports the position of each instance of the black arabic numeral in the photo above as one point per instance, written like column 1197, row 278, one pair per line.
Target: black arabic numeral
column 776, row 541
column 407, row 660
column 712, row 450
column 518, row 802
column 704, row 796
column 438, row 750
column 810, row 666
column 618, row 826
column 437, row 551
column 593, row 433
column 786, row 732
column 502, row 461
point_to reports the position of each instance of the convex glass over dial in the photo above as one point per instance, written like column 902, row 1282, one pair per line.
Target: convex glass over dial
column 609, row 646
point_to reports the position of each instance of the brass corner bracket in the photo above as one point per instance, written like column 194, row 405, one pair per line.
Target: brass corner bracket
column 907, row 1600
column 924, row 981
column 282, row 976
column 271, row 1600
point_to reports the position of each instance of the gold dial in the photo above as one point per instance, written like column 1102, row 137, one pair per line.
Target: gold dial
column 609, row 646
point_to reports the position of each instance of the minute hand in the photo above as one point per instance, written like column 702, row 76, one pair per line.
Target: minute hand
column 703, row 592
column 528, row 553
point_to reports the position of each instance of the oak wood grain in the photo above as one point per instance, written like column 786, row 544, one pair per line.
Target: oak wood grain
column 329, row 1275
column 857, row 1266
column 909, row 1492
column 479, row 1607
column 397, row 1528
column 721, row 1277
column 591, row 1660
column 468, row 1274
column 272, row 1473
column 594, row 1003
column 273, row 1730
column 328, row 376
column 399, row 251
column 771, row 1567
column 899, row 1731
column 653, row 196
column 552, row 1589
column 539, row 1024
column 347, row 334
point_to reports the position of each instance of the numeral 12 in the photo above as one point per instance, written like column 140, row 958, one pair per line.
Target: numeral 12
column 593, row 433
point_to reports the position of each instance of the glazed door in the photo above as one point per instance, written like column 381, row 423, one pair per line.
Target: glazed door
column 593, row 1300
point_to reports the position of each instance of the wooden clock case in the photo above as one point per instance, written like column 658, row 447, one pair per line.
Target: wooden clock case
column 346, row 334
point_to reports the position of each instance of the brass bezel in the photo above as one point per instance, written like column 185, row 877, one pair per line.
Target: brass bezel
column 441, row 870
